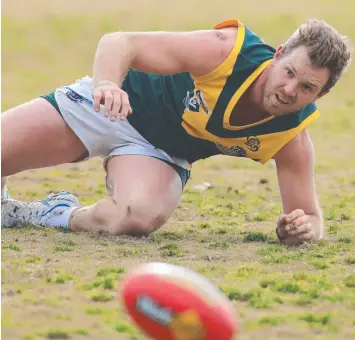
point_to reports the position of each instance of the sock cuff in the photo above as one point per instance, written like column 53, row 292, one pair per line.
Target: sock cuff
column 62, row 220
column 68, row 214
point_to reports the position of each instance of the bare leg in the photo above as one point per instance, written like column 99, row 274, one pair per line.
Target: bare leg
column 34, row 135
column 145, row 193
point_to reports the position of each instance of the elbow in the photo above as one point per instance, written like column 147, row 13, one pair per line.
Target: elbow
column 111, row 38
column 115, row 46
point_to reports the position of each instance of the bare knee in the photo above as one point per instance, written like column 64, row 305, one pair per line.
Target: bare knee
column 136, row 217
column 144, row 225
column 132, row 216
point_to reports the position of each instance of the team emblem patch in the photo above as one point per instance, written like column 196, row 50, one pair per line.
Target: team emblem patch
column 253, row 143
column 73, row 96
column 194, row 101
column 235, row 151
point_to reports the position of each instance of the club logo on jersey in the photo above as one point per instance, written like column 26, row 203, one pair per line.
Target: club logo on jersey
column 75, row 97
column 253, row 143
column 235, row 151
column 194, row 100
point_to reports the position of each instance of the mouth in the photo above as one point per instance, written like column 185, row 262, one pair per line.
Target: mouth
column 280, row 99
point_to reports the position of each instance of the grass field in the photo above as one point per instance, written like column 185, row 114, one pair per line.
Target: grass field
column 60, row 285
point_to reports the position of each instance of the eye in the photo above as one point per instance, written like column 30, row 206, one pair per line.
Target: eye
column 307, row 87
column 289, row 72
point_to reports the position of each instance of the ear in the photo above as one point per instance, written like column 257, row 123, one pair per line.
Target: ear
column 278, row 52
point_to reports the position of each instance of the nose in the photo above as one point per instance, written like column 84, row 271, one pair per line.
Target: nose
column 291, row 88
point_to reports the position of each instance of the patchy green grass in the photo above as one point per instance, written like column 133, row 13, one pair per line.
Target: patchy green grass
column 63, row 285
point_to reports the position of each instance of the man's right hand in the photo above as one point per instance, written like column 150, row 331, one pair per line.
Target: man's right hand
column 114, row 99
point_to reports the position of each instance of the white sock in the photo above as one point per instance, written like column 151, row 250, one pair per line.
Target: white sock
column 61, row 218
column 4, row 193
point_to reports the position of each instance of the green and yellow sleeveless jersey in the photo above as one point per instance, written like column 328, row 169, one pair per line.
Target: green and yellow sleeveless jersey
column 189, row 117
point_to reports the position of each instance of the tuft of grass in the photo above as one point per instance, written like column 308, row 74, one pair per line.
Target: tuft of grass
column 172, row 235
column 345, row 239
column 261, row 216
column 280, row 258
column 63, row 279
column 288, row 287
column 190, row 230
column 33, row 259
column 12, row 246
column 69, row 243
column 170, row 249
column 58, row 334
column 63, row 248
column 82, row 331
column 345, row 216
column 337, row 297
column 321, row 265
column 332, row 229
column 255, row 236
column 349, row 281
column 63, row 317
column 221, row 231
column 95, row 311
column 316, row 319
column 244, row 272
column 271, row 320
column 218, row 245
column 304, row 301
column 255, row 298
column 101, row 297
column 350, row 260
column 265, row 251
column 109, row 284
column 265, row 283
column 131, row 252
column 110, row 271
column 204, row 225
column 277, row 254
column 124, row 327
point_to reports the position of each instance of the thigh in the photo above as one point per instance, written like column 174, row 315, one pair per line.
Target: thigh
column 149, row 186
column 34, row 135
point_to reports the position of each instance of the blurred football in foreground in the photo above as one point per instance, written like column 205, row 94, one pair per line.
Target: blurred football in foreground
column 170, row 302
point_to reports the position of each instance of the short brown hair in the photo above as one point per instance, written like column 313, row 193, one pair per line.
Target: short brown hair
column 326, row 48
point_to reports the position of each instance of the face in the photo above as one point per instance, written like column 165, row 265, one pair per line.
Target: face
column 292, row 82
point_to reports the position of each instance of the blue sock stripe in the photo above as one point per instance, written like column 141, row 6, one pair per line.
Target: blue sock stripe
column 56, row 206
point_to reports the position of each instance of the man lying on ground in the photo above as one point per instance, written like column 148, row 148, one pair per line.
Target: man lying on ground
column 179, row 97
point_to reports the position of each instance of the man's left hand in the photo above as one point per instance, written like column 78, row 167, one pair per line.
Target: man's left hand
column 295, row 228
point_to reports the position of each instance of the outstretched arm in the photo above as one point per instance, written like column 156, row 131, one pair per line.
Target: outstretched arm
column 196, row 52
column 302, row 219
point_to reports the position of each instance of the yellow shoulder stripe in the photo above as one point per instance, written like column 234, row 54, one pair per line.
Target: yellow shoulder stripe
column 288, row 136
column 227, row 65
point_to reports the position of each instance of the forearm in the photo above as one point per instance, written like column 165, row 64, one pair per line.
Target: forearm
column 113, row 58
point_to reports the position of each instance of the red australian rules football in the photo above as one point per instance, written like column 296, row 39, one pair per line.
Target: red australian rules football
column 170, row 302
